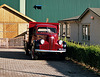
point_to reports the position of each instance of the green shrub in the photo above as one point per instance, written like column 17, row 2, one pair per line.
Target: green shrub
column 88, row 54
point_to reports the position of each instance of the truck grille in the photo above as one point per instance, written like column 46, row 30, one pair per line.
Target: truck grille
column 51, row 42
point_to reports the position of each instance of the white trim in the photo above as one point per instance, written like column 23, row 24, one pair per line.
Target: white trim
column 38, row 50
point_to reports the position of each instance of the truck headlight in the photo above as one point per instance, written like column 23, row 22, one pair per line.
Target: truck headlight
column 42, row 41
column 60, row 42
column 64, row 46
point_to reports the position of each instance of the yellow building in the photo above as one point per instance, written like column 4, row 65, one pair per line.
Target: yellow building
column 12, row 22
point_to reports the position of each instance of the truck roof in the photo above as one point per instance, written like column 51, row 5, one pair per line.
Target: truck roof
column 46, row 25
column 33, row 24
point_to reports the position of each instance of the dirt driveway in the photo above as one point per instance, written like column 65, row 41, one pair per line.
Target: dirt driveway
column 14, row 63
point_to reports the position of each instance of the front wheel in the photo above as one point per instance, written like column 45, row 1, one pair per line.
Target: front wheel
column 62, row 56
column 33, row 54
column 26, row 49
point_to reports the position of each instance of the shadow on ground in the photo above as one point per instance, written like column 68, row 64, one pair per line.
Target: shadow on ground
column 70, row 69
column 17, row 54
column 14, row 55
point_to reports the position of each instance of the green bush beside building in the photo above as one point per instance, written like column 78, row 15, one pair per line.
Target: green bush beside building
column 89, row 55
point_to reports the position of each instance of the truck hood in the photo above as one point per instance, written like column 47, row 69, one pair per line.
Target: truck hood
column 50, row 38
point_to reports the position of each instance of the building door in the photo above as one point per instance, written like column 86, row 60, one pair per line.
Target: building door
column 10, row 30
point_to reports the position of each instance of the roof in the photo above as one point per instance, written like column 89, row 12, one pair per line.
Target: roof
column 94, row 10
column 71, row 19
column 17, row 13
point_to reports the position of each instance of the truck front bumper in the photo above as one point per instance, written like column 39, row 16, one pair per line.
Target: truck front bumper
column 39, row 50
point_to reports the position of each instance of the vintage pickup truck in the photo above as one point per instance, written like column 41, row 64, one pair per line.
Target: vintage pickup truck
column 43, row 38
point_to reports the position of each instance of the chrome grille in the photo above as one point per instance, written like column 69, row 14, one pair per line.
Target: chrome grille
column 51, row 40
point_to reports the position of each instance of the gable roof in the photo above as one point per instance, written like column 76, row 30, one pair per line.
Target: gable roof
column 17, row 13
column 94, row 10
column 71, row 19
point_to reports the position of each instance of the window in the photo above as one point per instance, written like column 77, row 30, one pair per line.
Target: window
column 47, row 30
column 86, row 32
column 64, row 30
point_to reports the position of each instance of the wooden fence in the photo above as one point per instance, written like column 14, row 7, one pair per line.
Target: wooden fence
column 12, row 42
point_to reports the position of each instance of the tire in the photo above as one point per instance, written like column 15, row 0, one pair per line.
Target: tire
column 62, row 56
column 33, row 54
column 26, row 49
column 26, row 52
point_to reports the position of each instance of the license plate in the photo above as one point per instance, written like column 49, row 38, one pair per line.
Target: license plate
column 60, row 48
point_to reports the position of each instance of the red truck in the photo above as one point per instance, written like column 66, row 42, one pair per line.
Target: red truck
column 43, row 38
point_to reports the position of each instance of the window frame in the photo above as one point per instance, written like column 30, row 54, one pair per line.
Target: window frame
column 47, row 29
column 86, row 32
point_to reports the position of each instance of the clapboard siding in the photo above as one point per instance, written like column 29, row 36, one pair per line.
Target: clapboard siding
column 8, row 16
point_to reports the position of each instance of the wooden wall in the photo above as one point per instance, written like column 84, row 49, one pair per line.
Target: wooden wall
column 11, row 24
column 22, row 27
column 1, row 30
column 8, row 16
column 10, row 30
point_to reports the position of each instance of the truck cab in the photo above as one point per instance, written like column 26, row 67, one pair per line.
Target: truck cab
column 43, row 38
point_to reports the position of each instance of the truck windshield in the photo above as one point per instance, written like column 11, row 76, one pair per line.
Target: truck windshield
column 47, row 29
